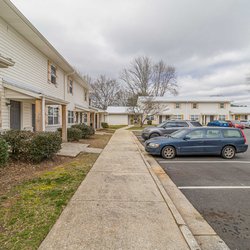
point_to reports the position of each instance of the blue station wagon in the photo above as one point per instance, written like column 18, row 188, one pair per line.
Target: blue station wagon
column 199, row 141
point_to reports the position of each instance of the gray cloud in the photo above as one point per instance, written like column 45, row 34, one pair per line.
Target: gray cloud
column 207, row 41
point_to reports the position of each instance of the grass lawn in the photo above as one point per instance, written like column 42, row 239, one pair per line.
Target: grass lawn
column 97, row 141
column 31, row 204
column 116, row 126
column 29, row 210
column 138, row 127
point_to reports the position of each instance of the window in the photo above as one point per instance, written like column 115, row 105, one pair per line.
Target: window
column 213, row 134
column 196, row 134
column 53, row 115
column 222, row 105
column 52, row 73
column 170, row 125
column 70, row 87
column 222, row 117
column 177, row 105
column 150, row 117
column 85, row 120
column 181, row 124
column 231, row 133
column 195, row 117
column 70, row 116
column 194, row 105
column 177, row 117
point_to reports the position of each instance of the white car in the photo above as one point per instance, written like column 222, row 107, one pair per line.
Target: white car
column 245, row 123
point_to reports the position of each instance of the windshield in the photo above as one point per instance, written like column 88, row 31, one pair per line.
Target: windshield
column 179, row 134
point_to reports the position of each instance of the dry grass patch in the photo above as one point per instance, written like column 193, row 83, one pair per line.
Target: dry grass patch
column 97, row 140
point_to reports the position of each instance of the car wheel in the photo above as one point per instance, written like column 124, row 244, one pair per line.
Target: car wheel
column 154, row 135
column 168, row 152
column 228, row 152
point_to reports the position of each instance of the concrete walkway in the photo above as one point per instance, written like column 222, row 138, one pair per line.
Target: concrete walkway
column 117, row 206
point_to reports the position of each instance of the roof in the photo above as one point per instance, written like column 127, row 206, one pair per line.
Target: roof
column 187, row 99
column 118, row 110
column 240, row 110
column 22, row 25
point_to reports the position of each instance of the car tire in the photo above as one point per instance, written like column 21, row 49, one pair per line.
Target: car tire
column 168, row 152
column 228, row 152
column 153, row 135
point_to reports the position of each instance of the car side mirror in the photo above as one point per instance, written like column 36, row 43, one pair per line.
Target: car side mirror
column 186, row 138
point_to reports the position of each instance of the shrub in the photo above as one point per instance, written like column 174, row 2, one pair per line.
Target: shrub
column 87, row 131
column 4, row 155
column 44, row 145
column 149, row 122
column 18, row 142
column 74, row 134
column 104, row 124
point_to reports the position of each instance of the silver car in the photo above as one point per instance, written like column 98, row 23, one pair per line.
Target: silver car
column 245, row 123
column 168, row 127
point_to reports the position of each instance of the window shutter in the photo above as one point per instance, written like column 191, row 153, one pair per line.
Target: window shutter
column 49, row 71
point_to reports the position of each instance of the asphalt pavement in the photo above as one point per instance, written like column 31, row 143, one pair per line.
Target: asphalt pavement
column 219, row 189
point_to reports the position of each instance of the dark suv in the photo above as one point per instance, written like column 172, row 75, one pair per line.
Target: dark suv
column 168, row 127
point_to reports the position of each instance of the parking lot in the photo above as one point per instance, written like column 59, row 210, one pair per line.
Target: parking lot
column 219, row 189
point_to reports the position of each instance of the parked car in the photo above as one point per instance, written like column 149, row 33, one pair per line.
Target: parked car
column 245, row 123
column 217, row 123
column 168, row 127
column 238, row 124
column 199, row 141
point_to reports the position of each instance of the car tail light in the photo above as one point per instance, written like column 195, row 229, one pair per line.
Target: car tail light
column 244, row 136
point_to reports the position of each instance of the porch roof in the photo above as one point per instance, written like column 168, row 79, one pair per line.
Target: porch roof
column 81, row 108
column 26, row 92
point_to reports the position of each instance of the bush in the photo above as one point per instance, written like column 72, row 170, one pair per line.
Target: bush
column 74, row 134
column 18, row 142
column 149, row 122
column 44, row 145
column 4, row 155
column 104, row 125
column 87, row 131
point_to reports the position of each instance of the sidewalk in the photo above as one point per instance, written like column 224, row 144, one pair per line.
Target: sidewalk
column 117, row 206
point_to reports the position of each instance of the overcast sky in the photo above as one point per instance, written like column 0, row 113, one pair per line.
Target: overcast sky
column 208, row 41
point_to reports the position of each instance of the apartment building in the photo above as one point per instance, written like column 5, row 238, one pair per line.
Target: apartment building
column 202, row 109
column 39, row 89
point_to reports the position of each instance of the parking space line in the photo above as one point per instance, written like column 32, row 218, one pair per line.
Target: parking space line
column 243, row 162
column 215, row 187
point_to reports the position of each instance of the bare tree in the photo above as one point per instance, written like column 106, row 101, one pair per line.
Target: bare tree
column 105, row 92
column 145, row 78
column 148, row 79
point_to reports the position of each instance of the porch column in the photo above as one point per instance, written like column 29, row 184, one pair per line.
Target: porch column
column 40, row 114
column 98, row 121
column 64, row 123
column 88, row 118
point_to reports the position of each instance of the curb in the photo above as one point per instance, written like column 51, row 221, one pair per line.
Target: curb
column 194, row 228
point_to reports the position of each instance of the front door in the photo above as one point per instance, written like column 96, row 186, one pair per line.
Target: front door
column 15, row 115
column 160, row 119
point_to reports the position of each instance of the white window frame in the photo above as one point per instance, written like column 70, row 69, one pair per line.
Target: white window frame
column 194, row 117
column 71, row 86
column 70, row 117
column 177, row 105
column 54, row 115
column 222, row 117
column 177, row 117
column 222, row 105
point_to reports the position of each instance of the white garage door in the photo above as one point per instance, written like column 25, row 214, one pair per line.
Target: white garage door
column 118, row 119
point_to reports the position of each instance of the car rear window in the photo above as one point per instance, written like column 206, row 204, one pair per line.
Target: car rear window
column 231, row 133
column 196, row 124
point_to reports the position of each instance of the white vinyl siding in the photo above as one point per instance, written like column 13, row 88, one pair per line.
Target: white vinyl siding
column 31, row 66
